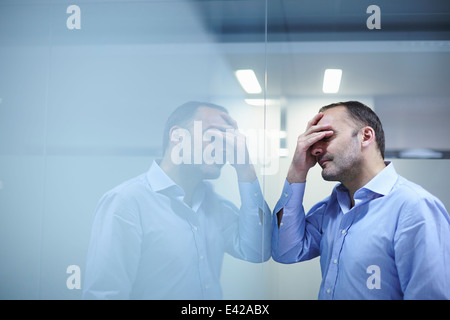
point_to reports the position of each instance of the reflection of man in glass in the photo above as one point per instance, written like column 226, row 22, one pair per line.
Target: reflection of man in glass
column 163, row 234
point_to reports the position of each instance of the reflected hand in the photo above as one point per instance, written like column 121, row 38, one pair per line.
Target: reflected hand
column 236, row 149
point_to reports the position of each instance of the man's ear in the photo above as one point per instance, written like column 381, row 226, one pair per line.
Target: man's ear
column 174, row 134
column 179, row 147
column 175, row 137
column 368, row 136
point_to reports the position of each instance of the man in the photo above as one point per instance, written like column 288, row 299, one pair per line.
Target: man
column 379, row 236
column 163, row 234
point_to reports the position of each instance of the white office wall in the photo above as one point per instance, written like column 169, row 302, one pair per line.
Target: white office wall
column 431, row 174
column 415, row 121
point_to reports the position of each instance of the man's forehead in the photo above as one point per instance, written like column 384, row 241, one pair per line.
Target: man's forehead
column 208, row 111
column 210, row 116
column 335, row 115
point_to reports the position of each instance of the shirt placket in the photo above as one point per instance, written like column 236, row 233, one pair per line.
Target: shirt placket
column 202, row 258
column 198, row 233
column 333, row 262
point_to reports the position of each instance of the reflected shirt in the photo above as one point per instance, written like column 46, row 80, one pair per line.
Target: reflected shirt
column 147, row 243
column 394, row 243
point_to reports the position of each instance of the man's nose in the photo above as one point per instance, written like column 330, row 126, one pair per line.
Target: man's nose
column 317, row 149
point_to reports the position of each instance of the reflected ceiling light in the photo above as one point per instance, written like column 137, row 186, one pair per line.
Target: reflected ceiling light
column 261, row 102
column 332, row 80
column 248, row 81
column 283, row 152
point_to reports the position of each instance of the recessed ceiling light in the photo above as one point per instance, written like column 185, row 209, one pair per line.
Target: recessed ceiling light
column 332, row 80
column 248, row 81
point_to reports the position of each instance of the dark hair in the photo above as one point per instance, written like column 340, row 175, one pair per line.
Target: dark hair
column 365, row 116
column 183, row 115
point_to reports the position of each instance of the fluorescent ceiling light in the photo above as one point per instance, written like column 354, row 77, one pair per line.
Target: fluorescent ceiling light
column 332, row 80
column 248, row 81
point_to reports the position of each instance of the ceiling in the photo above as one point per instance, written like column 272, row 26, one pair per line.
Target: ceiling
column 331, row 20
column 132, row 57
column 142, row 21
column 408, row 55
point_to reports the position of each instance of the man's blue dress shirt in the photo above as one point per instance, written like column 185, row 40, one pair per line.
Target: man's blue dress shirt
column 147, row 243
column 393, row 244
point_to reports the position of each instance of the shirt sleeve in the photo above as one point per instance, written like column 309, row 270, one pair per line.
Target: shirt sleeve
column 422, row 250
column 297, row 237
column 249, row 236
column 114, row 250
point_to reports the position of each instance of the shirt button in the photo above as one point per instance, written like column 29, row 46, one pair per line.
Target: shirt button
column 335, row 261
column 328, row 291
column 255, row 194
column 194, row 228
column 285, row 195
column 344, row 231
column 281, row 224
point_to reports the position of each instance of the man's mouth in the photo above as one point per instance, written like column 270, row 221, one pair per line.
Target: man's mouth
column 323, row 161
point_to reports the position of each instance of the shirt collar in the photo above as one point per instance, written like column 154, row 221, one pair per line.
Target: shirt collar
column 379, row 186
column 158, row 179
column 384, row 181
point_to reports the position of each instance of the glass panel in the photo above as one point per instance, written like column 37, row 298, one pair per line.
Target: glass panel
column 24, row 69
column 86, row 91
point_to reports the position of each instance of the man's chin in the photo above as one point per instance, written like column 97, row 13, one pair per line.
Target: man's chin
column 211, row 171
column 329, row 176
